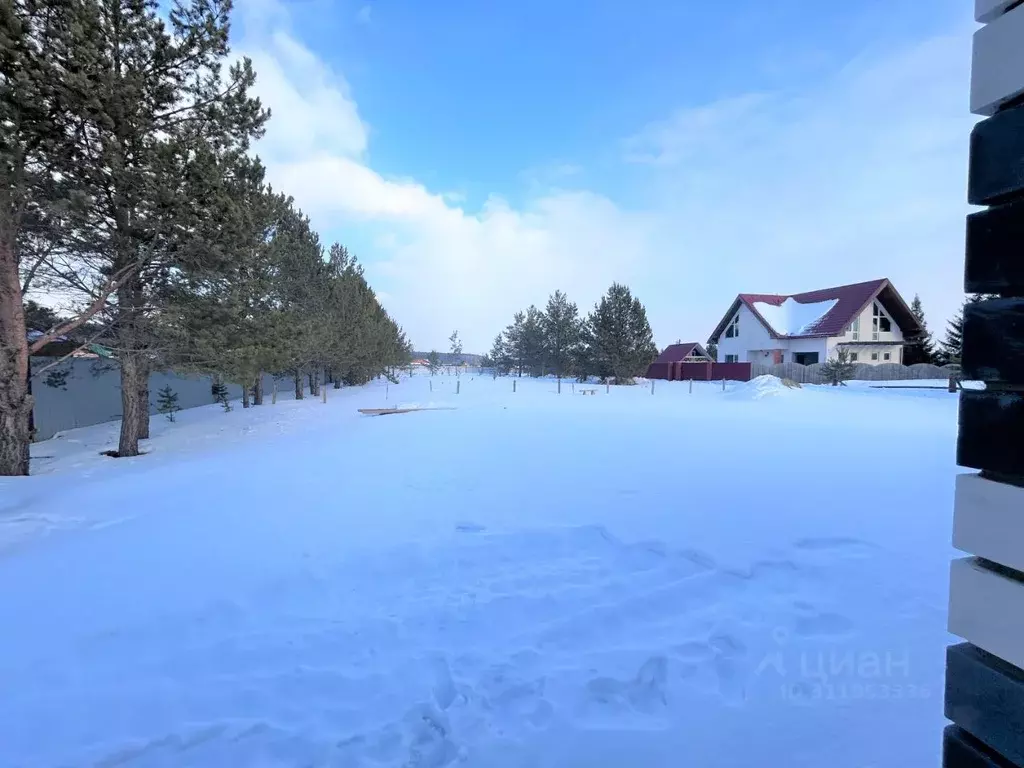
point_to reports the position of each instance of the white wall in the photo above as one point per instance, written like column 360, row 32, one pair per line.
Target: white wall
column 864, row 353
column 753, row 335
column 896, row 335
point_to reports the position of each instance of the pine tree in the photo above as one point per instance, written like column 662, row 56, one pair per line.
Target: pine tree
column 35, row 131
column 620, row 338
column 433, row 362
column 839, row 369
column 499, row 356
column 167, row 402
column 561, row 329
column 156, row 119
column 455, row 346
column 516, row 342
column 919, row 348
column 712, row 349
column 532, row 341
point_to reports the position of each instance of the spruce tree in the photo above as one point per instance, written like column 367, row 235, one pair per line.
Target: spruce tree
column 837, row 370
column 167, row 403
column 621, row 343
column 561, row 329
column 951, row 345
column 919, row 347
column 433, row 362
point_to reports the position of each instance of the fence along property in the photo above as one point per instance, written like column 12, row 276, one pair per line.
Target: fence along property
column 811, row 374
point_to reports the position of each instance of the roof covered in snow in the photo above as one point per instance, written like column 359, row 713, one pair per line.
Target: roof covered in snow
column 821, row 313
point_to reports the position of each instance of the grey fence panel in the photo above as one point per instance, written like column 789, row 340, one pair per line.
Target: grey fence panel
column 811, row 374
column 91, row 394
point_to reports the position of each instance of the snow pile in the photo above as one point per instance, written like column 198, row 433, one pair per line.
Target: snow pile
column 511, row 583
column 760, row 388
column 792, row 318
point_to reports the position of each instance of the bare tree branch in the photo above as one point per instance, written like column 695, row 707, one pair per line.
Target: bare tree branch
column 63, row 328
column 79, row 348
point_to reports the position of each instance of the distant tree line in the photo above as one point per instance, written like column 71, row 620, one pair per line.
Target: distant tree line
column 613, row 341
column 130, row 190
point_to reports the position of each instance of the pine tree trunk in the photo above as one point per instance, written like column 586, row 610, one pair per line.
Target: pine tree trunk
column 314, row 383
column 337, row 383
column 132, row 368
column 143, row 403
column 131, row 418
column 299, row 393
column 15, row 400
column 245, row 395
column 257, row 389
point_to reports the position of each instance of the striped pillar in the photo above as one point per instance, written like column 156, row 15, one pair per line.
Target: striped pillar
column 984, row 677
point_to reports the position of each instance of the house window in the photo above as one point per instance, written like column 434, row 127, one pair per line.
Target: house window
column 874, row 355
column 853, row 357
column 732, row 358
column 880, row 322
column 855, row 329
column 733, row 330
column 805, row 358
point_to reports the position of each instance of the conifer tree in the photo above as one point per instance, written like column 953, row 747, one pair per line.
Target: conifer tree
column 621, row 343
column 561, row 329
column 919, row 347
column 151, row 109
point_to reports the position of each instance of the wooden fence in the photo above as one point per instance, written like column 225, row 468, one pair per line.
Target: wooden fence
column 811, row 374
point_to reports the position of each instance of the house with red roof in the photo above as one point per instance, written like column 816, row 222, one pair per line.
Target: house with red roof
column 870, row 320
column 680, row 352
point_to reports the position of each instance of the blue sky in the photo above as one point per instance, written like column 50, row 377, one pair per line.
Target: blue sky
column 479, row 155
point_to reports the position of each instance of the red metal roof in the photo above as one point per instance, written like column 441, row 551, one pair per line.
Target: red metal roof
column 675, row 353
column 850, row 302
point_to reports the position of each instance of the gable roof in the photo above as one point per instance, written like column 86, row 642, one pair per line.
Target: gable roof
column 675, row 353
column 850, row 301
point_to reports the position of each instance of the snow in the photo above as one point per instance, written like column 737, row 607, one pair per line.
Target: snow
column 532, row 579
column 792, row 318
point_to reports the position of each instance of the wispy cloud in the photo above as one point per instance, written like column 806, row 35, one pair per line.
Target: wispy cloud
column 860, row 176
column 365, row 14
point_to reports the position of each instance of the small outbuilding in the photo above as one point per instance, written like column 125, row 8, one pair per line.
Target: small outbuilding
column 689, row 352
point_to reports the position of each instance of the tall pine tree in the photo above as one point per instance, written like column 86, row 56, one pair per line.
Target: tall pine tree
column 561, row 327
column 152, row 109
column 621, row 343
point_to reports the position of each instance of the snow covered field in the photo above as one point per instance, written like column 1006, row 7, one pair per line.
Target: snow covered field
column 749, row 577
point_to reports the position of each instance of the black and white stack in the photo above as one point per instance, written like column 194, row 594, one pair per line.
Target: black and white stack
column 985, row 674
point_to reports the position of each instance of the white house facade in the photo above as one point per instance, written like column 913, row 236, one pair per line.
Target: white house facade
column 869, row 320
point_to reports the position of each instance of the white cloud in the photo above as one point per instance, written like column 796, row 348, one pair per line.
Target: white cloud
column 365, row 15
column 860, row 177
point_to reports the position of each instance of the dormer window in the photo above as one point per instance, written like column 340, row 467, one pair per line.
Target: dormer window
column 733, row 331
